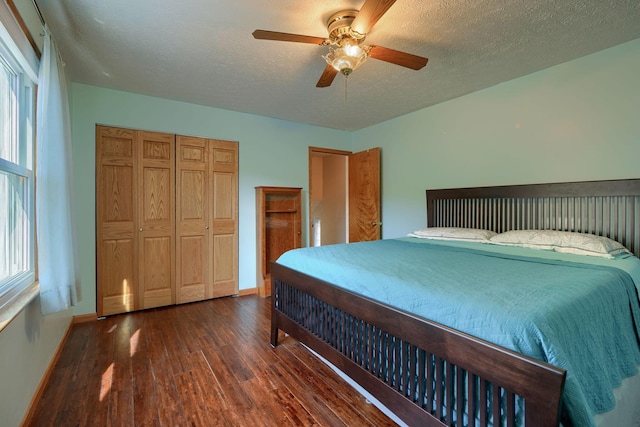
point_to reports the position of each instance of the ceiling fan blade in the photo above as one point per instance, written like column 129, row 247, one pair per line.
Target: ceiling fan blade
column 403, row 59
column 286, row 37
column 327, row 76
column 370, row 13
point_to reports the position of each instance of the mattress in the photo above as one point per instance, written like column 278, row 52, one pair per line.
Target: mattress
column 540, row 303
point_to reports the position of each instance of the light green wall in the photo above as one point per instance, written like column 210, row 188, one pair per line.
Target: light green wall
column 576, row 121
column 27, row 346
column 272, row 152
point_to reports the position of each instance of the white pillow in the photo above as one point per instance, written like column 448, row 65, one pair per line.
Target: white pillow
column 454, row 233
column 562, row 241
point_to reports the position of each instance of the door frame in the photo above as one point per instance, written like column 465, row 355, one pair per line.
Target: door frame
column 313, row 151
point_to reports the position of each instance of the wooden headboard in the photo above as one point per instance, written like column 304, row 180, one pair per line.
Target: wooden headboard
column 605, row 208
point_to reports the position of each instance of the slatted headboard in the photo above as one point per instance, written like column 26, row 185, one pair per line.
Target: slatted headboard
column 606, row 208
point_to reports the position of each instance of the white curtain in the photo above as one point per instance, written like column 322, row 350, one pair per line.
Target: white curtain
column 57, row 252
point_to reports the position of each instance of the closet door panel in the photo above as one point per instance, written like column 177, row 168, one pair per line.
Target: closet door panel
column 192, row 269
column 224, row 217
column 116, row 194
column 224, row 265
column 192, row 228
column 224, row 198
column 116, row 220
column 117, row 292
column 156, row 194
column 157, row 219
column 224, row 155
column 156, row 271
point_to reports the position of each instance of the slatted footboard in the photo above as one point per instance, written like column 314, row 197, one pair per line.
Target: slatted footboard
column 422, row 371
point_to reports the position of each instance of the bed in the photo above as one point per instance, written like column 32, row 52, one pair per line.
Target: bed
column 430, row 372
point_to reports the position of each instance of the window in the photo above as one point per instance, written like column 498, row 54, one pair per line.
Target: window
column 17, row 235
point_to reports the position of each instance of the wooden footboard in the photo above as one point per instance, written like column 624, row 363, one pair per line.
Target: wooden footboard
column 420, row 370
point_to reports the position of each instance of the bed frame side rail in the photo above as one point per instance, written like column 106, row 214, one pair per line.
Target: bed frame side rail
column 415, row 367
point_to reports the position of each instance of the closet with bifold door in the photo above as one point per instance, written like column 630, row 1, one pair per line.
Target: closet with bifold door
column 207, row 218
column 166, row 219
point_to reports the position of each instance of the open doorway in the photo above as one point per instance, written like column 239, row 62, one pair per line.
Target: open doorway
column 328, row 196
column 344, row 196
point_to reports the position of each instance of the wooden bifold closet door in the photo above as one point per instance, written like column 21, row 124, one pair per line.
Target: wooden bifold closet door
column 157, row 240
column 207, row 226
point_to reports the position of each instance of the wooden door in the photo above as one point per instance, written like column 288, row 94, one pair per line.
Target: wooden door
column 116, row 220
column 364, row 196
column 193, row 269
column 223, row 208
column 156, row 225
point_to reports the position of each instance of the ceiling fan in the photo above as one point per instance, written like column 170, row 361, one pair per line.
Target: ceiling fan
column 347, row 31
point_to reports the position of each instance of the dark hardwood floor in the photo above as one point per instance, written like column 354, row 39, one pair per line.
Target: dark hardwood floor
column 201, row 364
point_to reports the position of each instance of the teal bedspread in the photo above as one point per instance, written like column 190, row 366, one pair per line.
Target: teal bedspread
column 581, row 316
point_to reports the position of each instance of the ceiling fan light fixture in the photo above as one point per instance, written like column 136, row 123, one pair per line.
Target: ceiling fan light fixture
column 346, row 58
column 347, row 32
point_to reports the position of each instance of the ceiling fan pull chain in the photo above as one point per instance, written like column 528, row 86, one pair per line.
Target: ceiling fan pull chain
column 346, row 79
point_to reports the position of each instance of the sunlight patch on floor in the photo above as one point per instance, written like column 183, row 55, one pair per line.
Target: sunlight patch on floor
column 133, row 343
column 107, row 379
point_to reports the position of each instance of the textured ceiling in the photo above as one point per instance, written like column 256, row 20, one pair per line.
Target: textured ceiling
column 202, row 51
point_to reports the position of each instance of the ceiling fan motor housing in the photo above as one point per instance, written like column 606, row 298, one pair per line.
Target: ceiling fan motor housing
column 339, row 28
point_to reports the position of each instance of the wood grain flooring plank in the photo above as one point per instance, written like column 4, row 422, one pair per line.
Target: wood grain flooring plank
column 314, row 403
column 91, row 381
column 235, row 397
column 259, row 363
column 214, row 357
column 52, row 397
column 191, row 396
column 209, row 387
column 170, row 408
column 318, row 385
column 201, row 364
column 265, row 404
column 292, row 408
column 144, row 393
column 335, row 382
column 121, row 411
